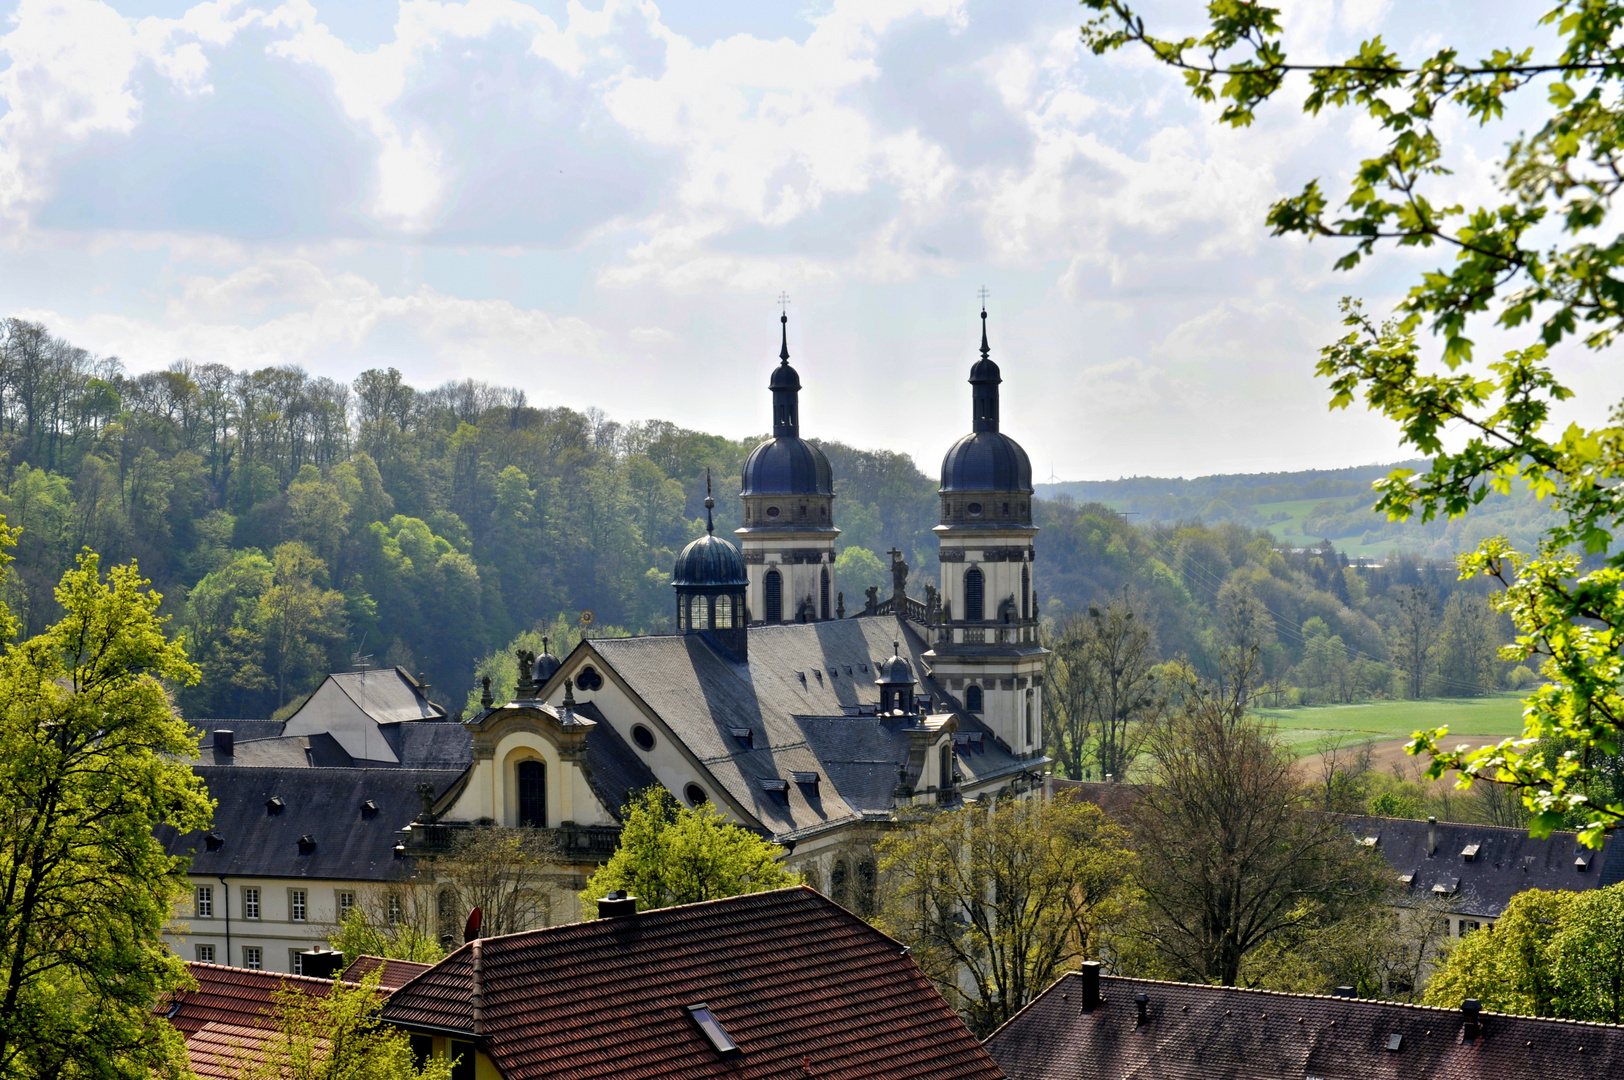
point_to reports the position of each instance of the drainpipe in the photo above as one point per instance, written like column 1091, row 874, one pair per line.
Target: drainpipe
column 226, row 899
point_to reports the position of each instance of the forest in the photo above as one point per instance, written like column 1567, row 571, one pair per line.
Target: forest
column 297, row 525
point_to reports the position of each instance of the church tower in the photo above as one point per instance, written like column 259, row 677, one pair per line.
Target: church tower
column 987, row 649
column 788, row 536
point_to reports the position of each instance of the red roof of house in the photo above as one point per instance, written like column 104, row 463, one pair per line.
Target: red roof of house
column 803, row 987
column 235, row 996
column 396, row 973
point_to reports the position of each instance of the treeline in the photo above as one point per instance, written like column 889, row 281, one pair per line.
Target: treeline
column 293, row 522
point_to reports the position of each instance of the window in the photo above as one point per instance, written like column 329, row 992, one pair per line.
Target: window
column 394, row 909
column 824, row 592
column 945, row 766
column 447, row 911
column 205, row 954
column 204, row 904
column 1026, row 718
column 589, row 679
column 775, row 596
column 1026, row 593
column 250, row 903
column 346, row 901
column 837, row 883
column 694, row 794
column 865, row 889
column 773, row 511
column 972, row 698
column 643, row 737
column 532, row 781
column 701, row 613
column 462, row 1063
column 682, row 613
column 253, row 958
column 297, row 906
column 974, row 509
column 295, row 962
column 975, row 606
column 724, row 613
column 713, row 1030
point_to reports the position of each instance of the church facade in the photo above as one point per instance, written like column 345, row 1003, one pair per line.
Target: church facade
column 803, row 722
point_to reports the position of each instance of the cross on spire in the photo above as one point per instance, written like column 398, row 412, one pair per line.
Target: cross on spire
column 783, row 300
column 983, row 293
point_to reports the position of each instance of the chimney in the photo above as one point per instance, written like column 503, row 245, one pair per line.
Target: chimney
column 1470, row 1008
column 1090, row 973
column 225, row 742
column 1432, row 836
column 1142, row 1003
column 617, row 905
column 1345, row 992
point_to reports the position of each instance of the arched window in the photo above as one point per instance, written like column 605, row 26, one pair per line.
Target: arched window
column 682, row 613
column 724, row 613
column 532, row 781
column 837, row 883
column 975, row 606
column 1026, row 714
column 972, row 698
column 1026, row 593
column 701, row 613
column 865, row 888
column 775, row 597
column 945, row 766
column 824, row 592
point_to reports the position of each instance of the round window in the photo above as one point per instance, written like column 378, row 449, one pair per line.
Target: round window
column 695, row 794
column 589, row 679
column 772, row 511
column 973, row 509
column 643, row 737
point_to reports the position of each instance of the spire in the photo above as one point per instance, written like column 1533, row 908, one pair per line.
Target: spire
column 984, row 380
column 783, row 351
column 986, row 353
column 786, row 387
column 710, row 504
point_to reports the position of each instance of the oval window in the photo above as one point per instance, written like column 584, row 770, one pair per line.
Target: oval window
column 772, row 511
column 643, row 737
column 973, row 509
column 695, row 794
column 589, row 679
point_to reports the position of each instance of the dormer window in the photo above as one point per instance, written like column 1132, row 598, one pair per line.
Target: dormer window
column 808, row 782
column 214, row 841
column 778, row 789
column 274, row 805
column 1469, row 852
column 1581, row 862
column 369, row 809
column 745, row 735
column 307, row 844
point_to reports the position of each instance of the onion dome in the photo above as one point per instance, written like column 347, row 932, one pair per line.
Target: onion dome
column 786, row 464
column 546, row 665
column 710, row 560
column 986, row 459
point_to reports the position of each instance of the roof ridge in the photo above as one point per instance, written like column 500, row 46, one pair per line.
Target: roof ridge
column 1523, row 831
column 256, row 972
column 1332, row 997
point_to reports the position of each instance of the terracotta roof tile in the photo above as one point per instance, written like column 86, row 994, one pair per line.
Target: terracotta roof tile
column 1224, row 1033
column 229, row 995
column 396, row 973
column 794, row 979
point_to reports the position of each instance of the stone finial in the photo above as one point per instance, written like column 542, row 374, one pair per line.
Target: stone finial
column 425, row 792
column 840, row 605
column 569, row 693
column 527, row 684
column 485, row 697
column 872, row 596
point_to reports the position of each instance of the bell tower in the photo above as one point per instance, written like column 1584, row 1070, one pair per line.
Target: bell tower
column 788, row 535
column 987, row 649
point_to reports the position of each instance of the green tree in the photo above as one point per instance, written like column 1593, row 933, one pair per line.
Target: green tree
column 858, row 569
column 1587, row 956
column 1538, row 264
column 297, row 618
column 669, row 855
column 1467, row 647
column 997, row 901
column 94, row 763
column 335, row 1036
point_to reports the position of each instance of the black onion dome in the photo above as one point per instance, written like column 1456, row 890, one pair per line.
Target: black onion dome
column 895, row 671
column 784, row 378
column 545, row 667
column 788, row 465
column 987, row 461
column 710, row 560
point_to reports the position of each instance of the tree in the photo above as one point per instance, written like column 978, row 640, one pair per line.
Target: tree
column 1229, row 858
column 1588, row 956
column 334, row 1036
column 1413, row 639
column 997, row 901
column 1514, row 969
column 94, row 761
column 1467, row 666
column 509, row 874
column 297, row 618
column 669, row 854
column 1109, row 691
column 1567, row 597
column 398, row 921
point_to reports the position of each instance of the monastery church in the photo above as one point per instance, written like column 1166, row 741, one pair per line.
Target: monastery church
column 807, row 723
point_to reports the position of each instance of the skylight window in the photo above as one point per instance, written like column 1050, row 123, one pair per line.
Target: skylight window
column 1469, row 852
column 713, row 1031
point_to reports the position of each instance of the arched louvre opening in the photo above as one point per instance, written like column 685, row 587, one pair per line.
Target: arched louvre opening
column 975, row 595
column 701, row 613
column 531, row 777
column 1026, row 593
column 824, row 592
column 724, row 613
column 775, row 597
column 972, row 698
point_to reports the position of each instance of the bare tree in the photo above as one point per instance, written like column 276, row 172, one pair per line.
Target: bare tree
column 1104, row 670
column 511, row 875
column 1413, row 639
column 1230, row 855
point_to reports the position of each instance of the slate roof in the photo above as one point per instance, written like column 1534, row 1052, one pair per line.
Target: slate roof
column 388, row 695
column 243, row 729
column 614, row 769
column 798, row 694
column 799, row 984
column 1507, row 861
column 1198, row 1032
column 325, row 804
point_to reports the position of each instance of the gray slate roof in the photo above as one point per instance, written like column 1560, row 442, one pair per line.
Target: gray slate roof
column 798, row 694
column 614, row 770
column 1507, row 861
column 325, row 804
column 1196, row 1032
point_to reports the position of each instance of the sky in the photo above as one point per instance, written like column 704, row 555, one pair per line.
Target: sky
column 600, row 202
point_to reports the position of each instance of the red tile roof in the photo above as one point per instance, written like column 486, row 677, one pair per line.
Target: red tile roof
column 1199, row 1032
column 801, row 985
column 396, row 973
column 235, row 996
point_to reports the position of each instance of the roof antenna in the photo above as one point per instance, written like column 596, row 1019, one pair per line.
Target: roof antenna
column 984, row 294
column 783, row 319
column 710, row 503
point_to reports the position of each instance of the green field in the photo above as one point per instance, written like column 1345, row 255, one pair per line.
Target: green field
column 1473, row 719
column 1290, row 532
